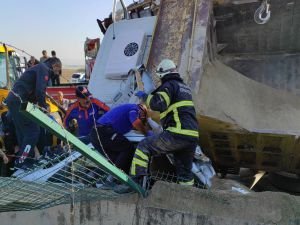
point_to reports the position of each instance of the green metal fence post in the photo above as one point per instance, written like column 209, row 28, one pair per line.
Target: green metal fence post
column 36, row 115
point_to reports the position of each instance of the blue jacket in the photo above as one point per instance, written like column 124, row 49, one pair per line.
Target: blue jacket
column 121, row 118
column 31, row 86
column 84, row 116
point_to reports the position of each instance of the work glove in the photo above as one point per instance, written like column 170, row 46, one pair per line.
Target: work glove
column 141, row 95
column 73, row 125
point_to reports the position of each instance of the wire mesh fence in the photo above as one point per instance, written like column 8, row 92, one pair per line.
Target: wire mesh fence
column 54, row 181
column 65, row 179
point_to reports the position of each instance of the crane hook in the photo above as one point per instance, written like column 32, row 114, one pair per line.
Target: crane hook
column 263, row 14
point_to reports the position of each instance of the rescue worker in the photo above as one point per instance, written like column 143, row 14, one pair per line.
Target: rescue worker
column 83, row 114
column 111, row 129
column 32, row 62
column 173, row 99
column 30, row 87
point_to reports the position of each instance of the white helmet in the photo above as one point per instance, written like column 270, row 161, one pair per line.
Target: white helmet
column 165, row 67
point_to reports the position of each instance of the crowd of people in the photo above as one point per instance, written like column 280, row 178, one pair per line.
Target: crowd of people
column 54, row 78
column 94, row 122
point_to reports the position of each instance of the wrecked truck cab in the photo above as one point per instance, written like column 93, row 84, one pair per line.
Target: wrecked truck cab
column 125, row 45
column 226, row 65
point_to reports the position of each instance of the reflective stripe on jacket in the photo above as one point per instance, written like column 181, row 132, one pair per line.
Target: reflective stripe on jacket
column 173, row 99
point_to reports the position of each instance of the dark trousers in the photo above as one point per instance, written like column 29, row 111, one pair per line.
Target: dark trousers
column 55, row 80
column 115, row 146
column 165, row 143
column 27, row 131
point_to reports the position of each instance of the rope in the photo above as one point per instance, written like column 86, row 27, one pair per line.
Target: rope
column 98, row 136
column 23, row 51
column 16, row 94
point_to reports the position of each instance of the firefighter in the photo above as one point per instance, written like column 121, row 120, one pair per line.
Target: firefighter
column 173, row 99
column 83, row 113
column 111, row 129
column 30, row 87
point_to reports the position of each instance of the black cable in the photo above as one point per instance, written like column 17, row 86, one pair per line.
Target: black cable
column 16, row 48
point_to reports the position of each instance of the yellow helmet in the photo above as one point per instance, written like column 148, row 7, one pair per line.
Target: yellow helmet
column 165, row 67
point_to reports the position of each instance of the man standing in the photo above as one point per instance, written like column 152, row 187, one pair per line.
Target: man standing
column 44, row 57
column 173, row 99
column 56, row 77
column 32, row 62
column 85, row 111
column 30, row 87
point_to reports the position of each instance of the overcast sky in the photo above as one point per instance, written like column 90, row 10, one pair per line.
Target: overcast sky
column 60, row 25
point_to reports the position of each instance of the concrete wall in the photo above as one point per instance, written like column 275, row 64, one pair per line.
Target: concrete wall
column 170, row 204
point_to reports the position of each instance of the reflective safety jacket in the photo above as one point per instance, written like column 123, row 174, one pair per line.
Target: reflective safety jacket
column 173, row 99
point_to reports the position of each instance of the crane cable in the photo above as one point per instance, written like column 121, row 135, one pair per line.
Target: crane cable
column 23, row 51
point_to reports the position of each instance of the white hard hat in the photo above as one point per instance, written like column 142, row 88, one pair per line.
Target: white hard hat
column 165, row 67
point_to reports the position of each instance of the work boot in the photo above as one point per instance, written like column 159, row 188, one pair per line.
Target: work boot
column 186, row 182
column 25, row 164
column 123, row 188
column 108, row 184
column 21, row 168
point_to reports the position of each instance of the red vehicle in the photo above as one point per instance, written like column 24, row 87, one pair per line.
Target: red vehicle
column 91, row 48
column 67, row 89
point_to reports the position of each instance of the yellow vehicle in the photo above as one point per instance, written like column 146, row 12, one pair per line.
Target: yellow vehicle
column 10, row 70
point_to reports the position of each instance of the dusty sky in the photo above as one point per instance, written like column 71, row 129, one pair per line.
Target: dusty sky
column 60, row 25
